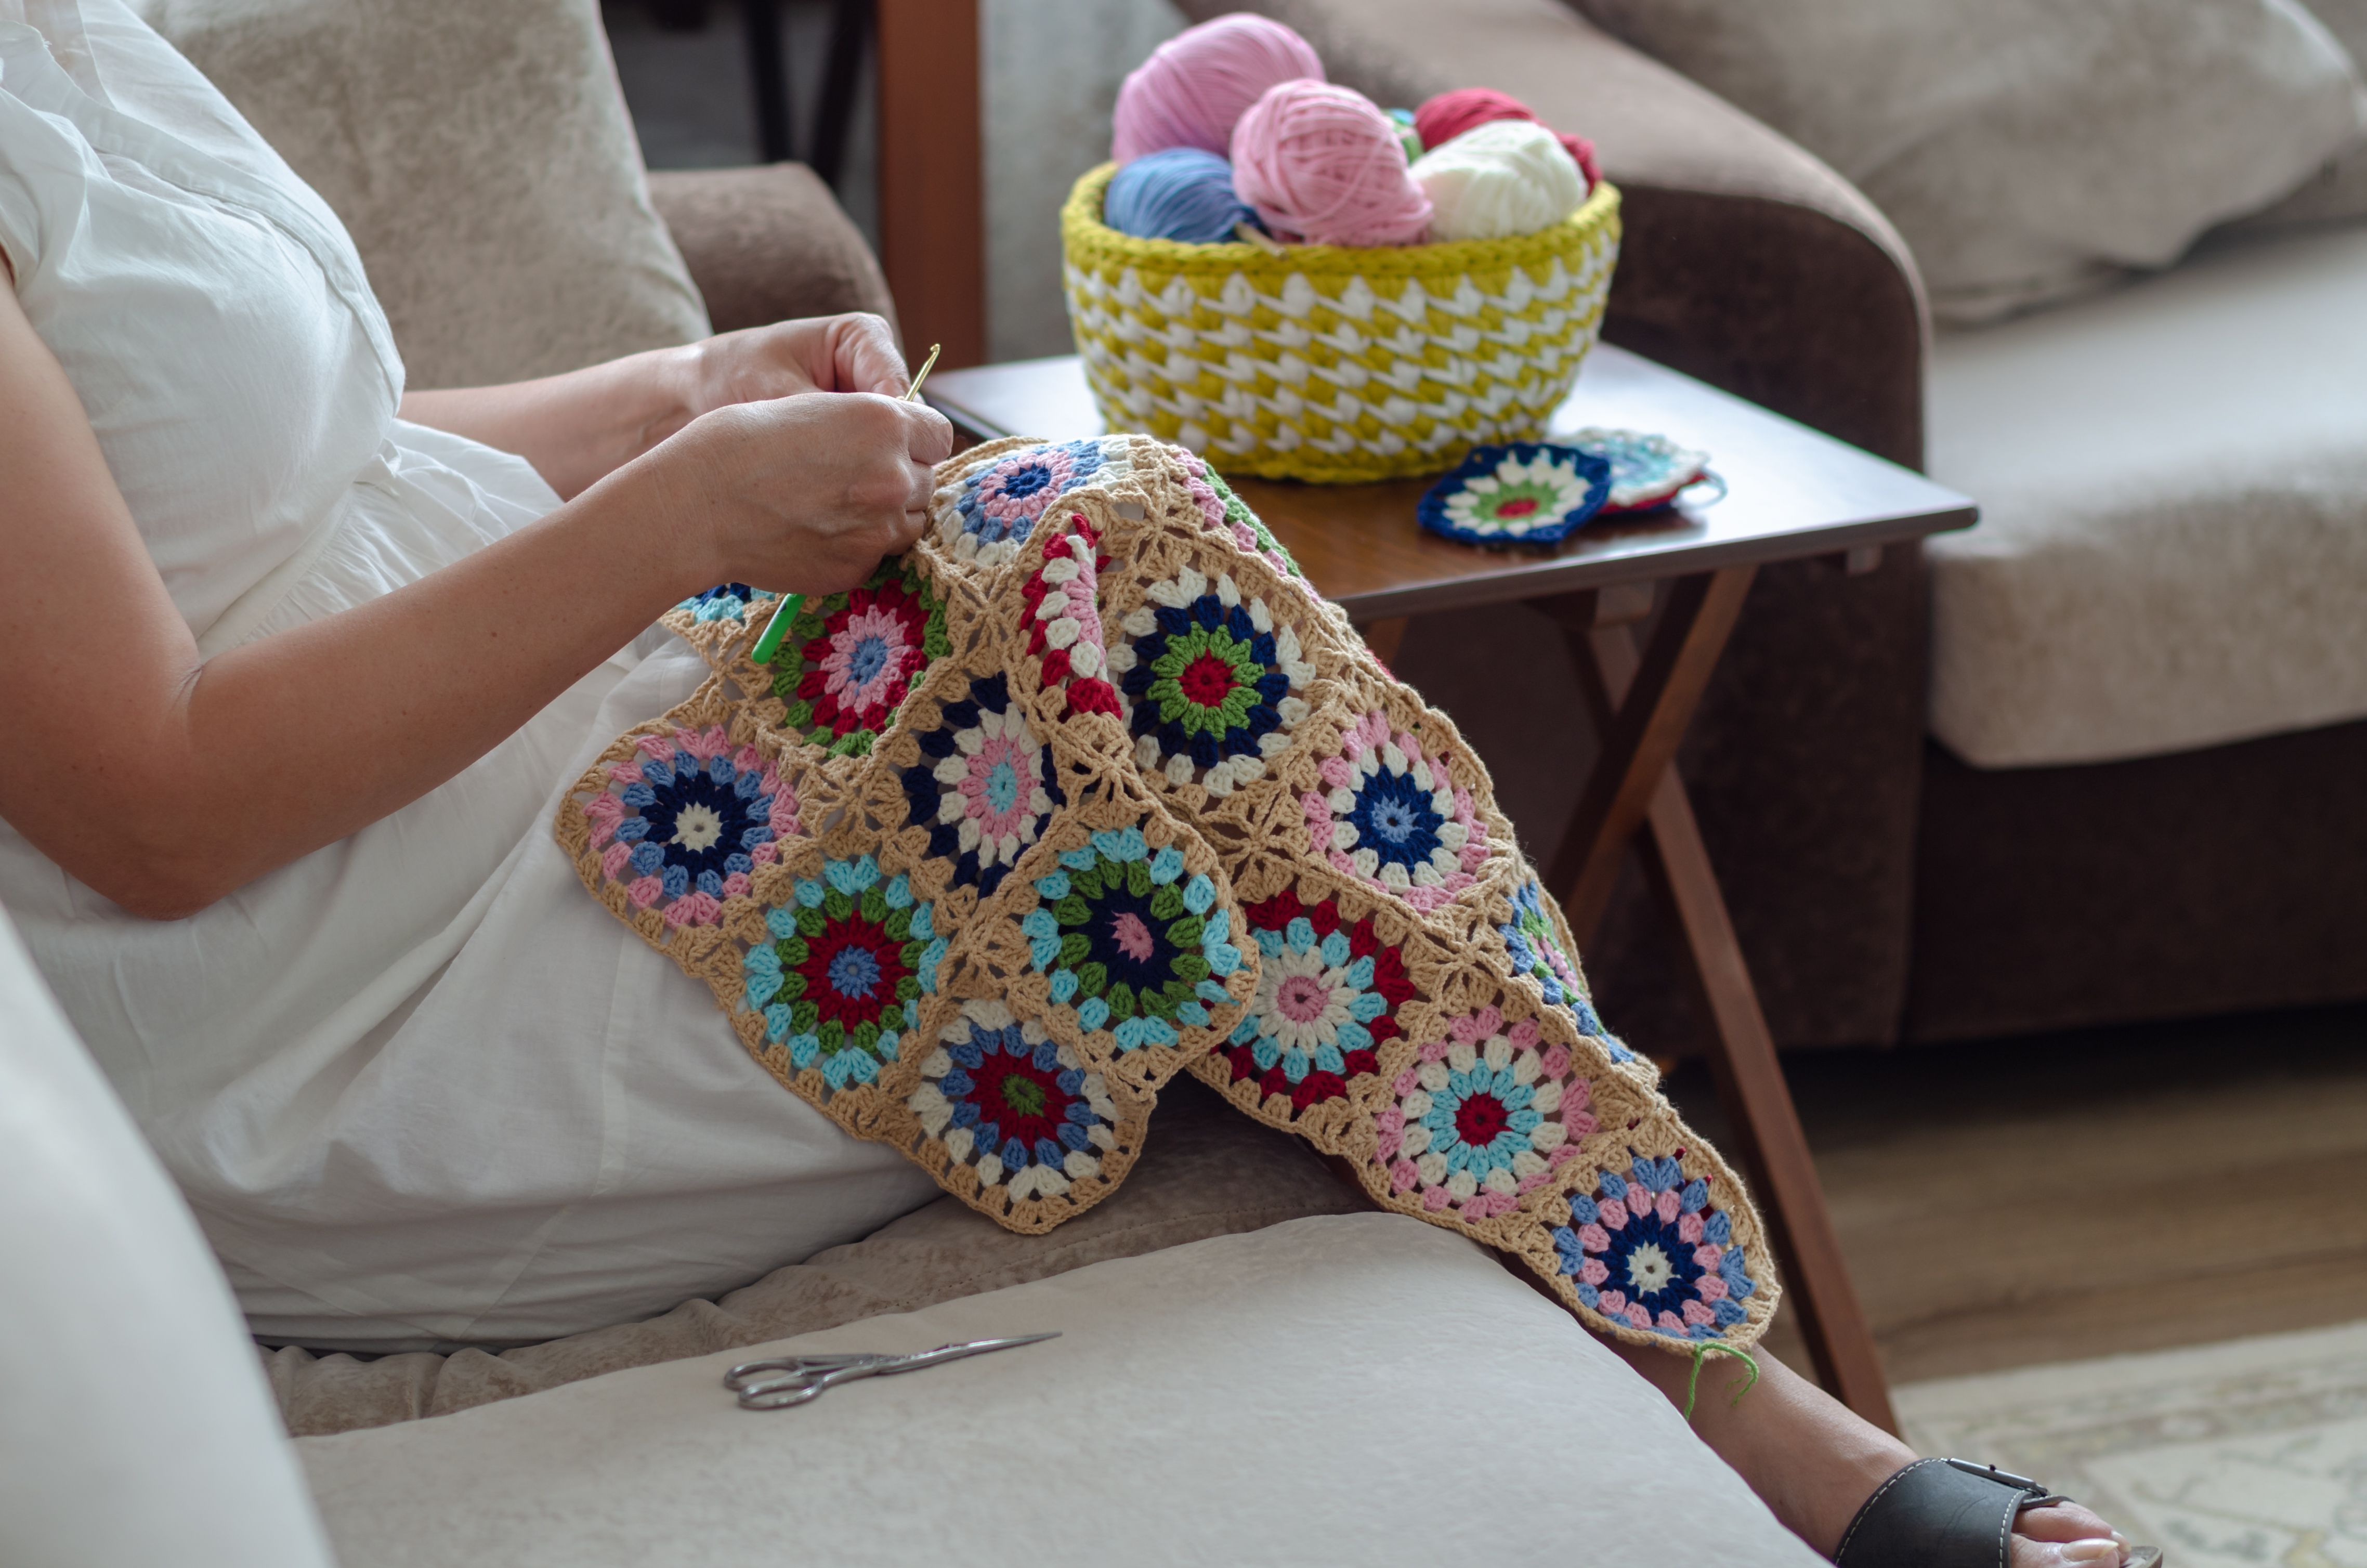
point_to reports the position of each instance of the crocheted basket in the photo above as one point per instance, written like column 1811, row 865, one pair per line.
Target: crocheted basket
column 1332, row 364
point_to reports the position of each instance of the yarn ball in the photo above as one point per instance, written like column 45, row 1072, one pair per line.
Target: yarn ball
column 1179, row 193
column 1194, row 87
column 1508, row 177
column 1449, row 115
column 1322, row 164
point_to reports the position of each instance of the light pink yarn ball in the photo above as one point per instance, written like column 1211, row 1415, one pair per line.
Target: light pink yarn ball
column 1196, row 85
column 1322, row 164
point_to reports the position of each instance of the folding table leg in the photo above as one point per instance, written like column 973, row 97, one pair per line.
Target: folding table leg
column 1647, row 699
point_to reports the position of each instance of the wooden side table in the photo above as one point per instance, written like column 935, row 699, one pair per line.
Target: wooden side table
column 1792, row 494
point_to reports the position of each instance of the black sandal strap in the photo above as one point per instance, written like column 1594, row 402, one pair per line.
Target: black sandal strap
column 1939, row 1514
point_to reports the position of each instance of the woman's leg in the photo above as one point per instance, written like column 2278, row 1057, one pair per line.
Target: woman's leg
column 1813, row 1461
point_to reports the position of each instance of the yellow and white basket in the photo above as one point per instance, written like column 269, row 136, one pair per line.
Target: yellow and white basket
column 1332, row 364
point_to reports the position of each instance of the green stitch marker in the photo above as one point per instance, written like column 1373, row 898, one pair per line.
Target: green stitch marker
column 786, row 610
column 777, row 628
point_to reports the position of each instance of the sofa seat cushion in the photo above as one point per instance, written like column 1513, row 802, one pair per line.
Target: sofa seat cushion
column 1208, row 1171
column 1344, row 1389
column 2173, row 489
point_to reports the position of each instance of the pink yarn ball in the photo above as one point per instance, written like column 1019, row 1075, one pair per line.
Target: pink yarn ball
column 1197, row 84
column 1322, row 164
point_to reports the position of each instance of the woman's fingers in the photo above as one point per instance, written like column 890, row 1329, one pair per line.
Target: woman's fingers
column 865, row 357
column 929, row 437
column 805, row 493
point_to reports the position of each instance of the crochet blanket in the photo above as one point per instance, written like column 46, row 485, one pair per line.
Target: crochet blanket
column 1092, row 788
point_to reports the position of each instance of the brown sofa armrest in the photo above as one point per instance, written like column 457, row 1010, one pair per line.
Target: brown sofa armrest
column 768, row 243
column 1746, row 261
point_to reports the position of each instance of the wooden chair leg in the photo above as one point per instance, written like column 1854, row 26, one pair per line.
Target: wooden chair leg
column 760, row 22
column 1774, row 1149
column 833, row 122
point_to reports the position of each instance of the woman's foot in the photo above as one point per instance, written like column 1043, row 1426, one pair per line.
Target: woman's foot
column 1814, row 1461
column 2067, row 1534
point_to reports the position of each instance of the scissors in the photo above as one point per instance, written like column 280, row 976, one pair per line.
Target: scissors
column 777, row 1383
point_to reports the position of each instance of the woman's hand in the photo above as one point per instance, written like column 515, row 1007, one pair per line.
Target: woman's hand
column 854, row 353
column 579, row 427
column 803, row 493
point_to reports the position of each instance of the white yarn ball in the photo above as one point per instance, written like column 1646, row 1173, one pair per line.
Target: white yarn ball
column 1508, row 177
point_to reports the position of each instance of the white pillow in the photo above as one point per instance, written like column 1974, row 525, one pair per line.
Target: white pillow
column 1348, row 1388
column 135, row 1425
column 2339, row 191
column 2028, row 150
column 480, row 154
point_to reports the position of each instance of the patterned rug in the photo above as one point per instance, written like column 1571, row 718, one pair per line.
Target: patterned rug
column 2239, row 1455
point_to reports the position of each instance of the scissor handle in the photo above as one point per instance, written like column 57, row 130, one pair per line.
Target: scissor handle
column 795, row 1387
column 747, row 1372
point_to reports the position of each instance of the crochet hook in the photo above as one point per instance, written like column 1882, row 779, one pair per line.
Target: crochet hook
column 806, row 1377
column 786, row 610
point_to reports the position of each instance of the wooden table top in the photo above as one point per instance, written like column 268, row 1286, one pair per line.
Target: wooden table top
column 1791, row 493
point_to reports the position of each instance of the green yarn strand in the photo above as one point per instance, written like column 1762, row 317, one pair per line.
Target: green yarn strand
column 1702, row 1348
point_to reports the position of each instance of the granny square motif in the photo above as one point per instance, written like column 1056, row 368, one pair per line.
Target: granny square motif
column 1090, row 789
column 1523, row 493
column 1646, row 470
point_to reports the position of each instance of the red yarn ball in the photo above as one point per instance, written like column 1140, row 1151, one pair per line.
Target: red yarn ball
column 1449, row 115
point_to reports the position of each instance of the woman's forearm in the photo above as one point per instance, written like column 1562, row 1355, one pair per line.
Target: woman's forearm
column 395, row 697
column 578, row 427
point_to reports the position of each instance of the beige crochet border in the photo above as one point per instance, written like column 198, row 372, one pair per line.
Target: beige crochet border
column 1087, row 578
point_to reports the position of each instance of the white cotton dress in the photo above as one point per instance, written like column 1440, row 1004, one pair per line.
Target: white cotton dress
column 419, row 1089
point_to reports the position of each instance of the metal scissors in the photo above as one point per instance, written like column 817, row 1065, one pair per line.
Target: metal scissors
column 785, row 1381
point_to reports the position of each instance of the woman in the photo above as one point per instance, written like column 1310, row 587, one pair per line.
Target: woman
column 299, row 662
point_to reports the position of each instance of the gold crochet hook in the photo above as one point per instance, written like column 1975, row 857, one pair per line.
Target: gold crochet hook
column 769, row 643
column 912, row 395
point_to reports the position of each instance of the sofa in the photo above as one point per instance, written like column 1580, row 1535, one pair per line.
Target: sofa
column 1277, row 1395
column 1890, row 884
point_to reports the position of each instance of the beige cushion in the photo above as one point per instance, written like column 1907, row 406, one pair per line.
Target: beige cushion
column 1208, row 1171
column 1358, row 1389
column 2172, row 549
column 133, row 1425
column 2029, row 150
column 480, row 154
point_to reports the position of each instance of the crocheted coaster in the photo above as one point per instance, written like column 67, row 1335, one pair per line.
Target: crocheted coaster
column 1090, row 789
column 1646, row 470
column 1523, row 493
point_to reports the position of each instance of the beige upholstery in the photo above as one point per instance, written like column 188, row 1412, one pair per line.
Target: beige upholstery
column 1208, row 1172
column 1349, row 1390
column 133, row 1427
column 480, row 154
column 2173, row 485
column 2028, row 150
column 767, row 244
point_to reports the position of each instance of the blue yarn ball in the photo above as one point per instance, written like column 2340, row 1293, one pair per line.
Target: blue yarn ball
column 1180, row 193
